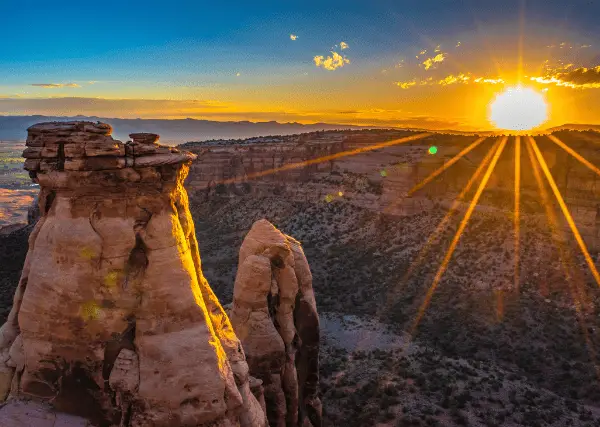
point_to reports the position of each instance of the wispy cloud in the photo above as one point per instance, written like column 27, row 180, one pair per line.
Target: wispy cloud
column 55, row 85
column 454, row 79
column 406, row 85
column 344, row 45
column 332, row 62
column 293, row 37
column 430, row 63
column 577, row 78
column 458, row 44
column 497, row 81
column 451, row 79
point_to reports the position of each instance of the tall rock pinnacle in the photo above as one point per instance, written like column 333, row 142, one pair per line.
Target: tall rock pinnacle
column 275, row 315
column 113, row 319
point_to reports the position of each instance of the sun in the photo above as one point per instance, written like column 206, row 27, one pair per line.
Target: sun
column 518, row 108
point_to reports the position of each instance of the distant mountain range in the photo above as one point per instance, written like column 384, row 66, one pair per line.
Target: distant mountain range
column 575, row 126
column 172, row 131
column 178, row 131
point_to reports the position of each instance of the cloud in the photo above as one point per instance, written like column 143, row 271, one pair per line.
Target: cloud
column 55, row 85
column 399, row 64
column 449, row 80
column 578, row 78
column 431, row 62
column 438, row 48
column 293, row 37
column 458, row 44
column 585, row 46
column 332, row 62
column 406, row 85
column 344, row 45
column 452, row 79
column 238, row 74
column 497, row 81
column 423, row 52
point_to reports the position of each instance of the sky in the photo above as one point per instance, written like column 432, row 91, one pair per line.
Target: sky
column 427, row 64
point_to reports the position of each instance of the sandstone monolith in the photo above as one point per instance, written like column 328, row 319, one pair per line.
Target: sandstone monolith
column 113, row 319
column 275, row 316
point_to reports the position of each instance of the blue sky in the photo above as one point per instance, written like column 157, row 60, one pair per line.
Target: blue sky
column 240, row 53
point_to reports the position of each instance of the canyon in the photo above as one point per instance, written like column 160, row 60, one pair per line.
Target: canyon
column 349, row 198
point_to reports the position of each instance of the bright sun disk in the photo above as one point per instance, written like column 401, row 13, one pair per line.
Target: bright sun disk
column 518, row 108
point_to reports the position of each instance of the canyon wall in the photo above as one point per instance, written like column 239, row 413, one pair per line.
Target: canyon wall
column 380, row 179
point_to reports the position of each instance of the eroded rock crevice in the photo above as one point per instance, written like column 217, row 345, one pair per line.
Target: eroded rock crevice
column 118, row 324
column 274, row 313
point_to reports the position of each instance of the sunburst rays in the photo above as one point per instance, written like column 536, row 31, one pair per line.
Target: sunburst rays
column 517, row 214
column 446, row 165
column 463, row 224
column 574, row 280
column 565, row 210
column 439, row 230
column 575, row 154
column 323, row 159
column 436, row 173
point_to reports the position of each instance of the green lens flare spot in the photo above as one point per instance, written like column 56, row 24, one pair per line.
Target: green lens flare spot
column 383, row 173
column 432, row 150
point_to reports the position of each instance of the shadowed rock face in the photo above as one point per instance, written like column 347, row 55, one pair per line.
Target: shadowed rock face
column 274, row 314
column 113, row 319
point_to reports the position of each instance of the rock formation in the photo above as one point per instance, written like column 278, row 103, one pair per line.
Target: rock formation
column 275, row 316
column 113, row 319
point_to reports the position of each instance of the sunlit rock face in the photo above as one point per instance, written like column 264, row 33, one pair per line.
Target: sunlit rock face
column 274, row 314
column 113, row 319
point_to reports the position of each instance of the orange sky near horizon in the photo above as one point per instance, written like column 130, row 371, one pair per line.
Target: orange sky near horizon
column 378, row 65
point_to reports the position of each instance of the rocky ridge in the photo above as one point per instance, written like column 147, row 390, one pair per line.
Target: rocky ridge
column 112, row 318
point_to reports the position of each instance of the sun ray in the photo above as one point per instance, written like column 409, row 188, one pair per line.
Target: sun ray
column 441, row 170
column 291, row 166
column 593, row 139
column 444, row 265
column 565, row 255
column 418, row 261
column 517, row 215
column 565, row 211
column 566, row 260
column 521, row 41
column 575, row 154
column 435, row 174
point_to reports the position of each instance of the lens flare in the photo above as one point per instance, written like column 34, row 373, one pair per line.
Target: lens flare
column 518, row 108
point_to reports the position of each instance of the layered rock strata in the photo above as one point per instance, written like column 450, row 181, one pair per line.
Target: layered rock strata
column 113, row 319
column 275, row 316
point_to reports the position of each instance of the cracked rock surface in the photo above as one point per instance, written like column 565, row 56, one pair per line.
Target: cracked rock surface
column 113, row 320
column 275, row 316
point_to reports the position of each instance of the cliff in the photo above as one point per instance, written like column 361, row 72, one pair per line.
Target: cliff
column 112, row 318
